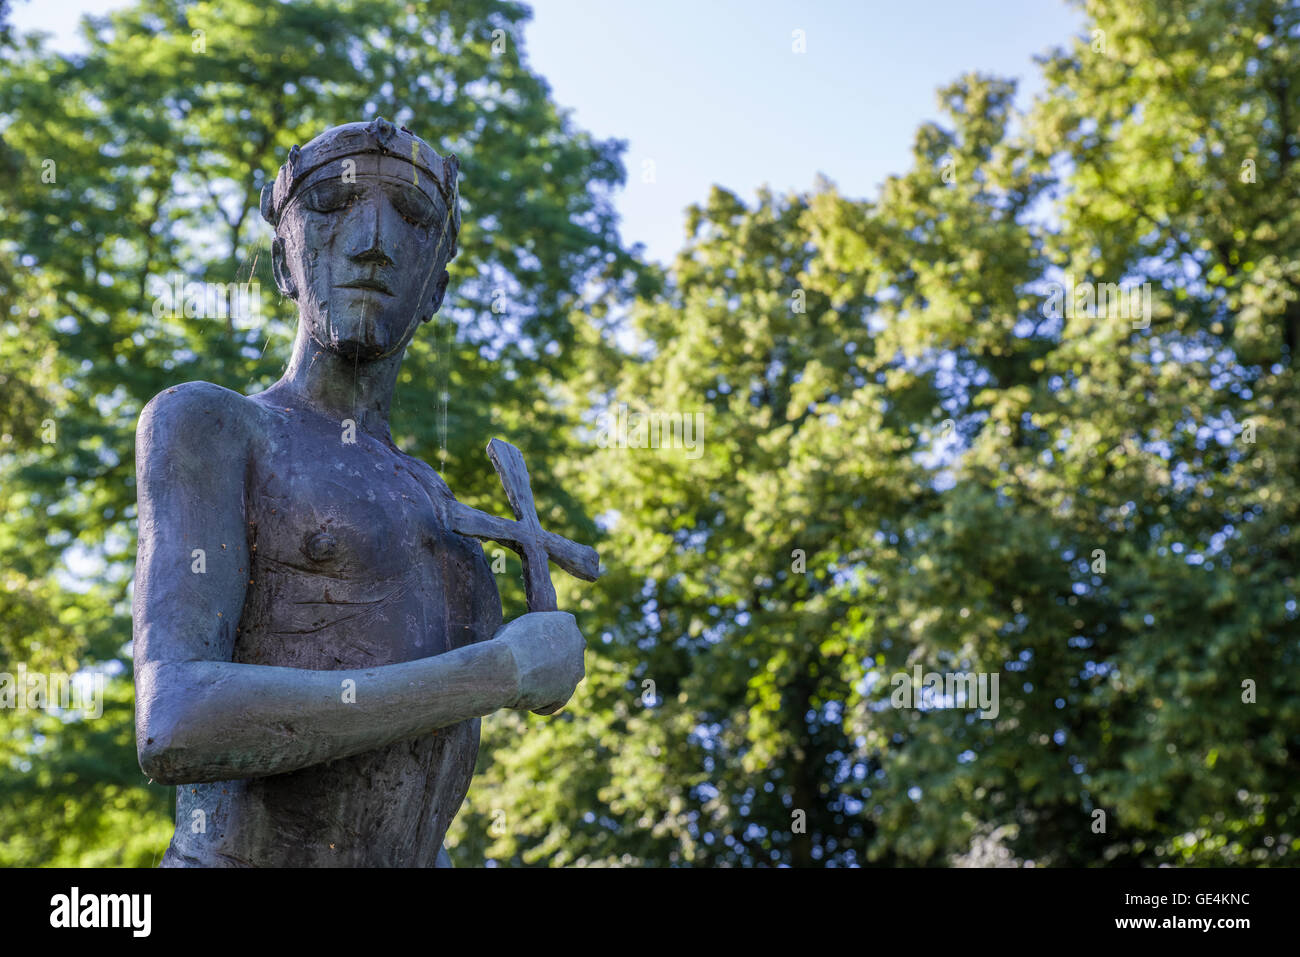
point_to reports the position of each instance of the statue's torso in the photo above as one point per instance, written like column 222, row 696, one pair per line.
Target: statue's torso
column 352, row 567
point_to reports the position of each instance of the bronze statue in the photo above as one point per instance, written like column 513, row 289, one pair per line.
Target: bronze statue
column 317, row 631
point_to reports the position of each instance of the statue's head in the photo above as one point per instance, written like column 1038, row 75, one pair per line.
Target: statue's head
column 366, row 218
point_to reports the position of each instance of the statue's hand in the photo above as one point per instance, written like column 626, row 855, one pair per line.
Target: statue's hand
column 548, row 652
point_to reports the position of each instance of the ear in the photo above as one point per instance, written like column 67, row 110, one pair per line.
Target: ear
column 439, row 290
column 283, row 280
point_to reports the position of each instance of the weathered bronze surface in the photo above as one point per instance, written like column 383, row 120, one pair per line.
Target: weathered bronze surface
column 316, row 633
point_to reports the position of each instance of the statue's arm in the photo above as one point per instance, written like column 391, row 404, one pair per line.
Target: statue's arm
column 215, row 720
column 202, row 717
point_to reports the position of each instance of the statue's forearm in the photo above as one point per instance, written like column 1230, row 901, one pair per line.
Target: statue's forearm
column 215, row 720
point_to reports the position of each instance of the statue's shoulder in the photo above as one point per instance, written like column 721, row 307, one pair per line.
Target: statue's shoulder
column 196, row 413
column 428, row 476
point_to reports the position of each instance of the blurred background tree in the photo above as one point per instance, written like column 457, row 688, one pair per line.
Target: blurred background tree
column 908, row 458
column 161, row 136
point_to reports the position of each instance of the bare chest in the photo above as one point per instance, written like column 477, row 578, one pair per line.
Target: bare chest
column 348, row 511
column 351, row 561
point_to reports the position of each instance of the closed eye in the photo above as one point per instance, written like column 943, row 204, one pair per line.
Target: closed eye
column 413, row 206
column 327, row 196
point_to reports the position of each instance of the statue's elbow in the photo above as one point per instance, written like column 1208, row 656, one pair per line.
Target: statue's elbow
column 159, row 764
column 161, row 759
column 159, row 726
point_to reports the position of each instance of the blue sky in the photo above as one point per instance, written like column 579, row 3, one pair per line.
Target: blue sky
column 711, row 91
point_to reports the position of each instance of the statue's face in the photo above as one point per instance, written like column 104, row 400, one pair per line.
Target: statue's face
column 366, row 258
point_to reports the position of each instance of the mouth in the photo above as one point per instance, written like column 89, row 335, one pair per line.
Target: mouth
column 373, row 284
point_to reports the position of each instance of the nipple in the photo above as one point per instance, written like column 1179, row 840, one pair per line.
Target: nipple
column 321, row 547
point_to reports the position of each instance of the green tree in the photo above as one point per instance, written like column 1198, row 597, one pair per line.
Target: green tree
column 142, row 160
column 911, row 454
column 1098, row 507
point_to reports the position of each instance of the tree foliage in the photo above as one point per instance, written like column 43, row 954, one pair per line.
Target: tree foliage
column 141, row 161
column 1099, row 508
column 911, row 455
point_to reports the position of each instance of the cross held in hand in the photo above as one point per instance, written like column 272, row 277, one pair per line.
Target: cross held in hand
column 535, row 545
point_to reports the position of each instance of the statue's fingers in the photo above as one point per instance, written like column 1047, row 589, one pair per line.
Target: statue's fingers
column 550, row 708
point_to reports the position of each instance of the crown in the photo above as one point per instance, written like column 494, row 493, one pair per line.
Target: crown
column 352, row 139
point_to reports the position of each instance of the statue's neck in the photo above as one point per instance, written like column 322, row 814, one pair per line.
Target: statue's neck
column 340, row 387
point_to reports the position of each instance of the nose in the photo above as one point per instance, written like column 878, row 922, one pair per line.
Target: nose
column 367, row 245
